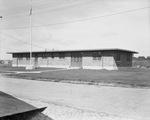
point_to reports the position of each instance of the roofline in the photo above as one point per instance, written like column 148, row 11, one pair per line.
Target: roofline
column 80, row 50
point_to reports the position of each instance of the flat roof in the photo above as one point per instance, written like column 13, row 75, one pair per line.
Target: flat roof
column 80, row 50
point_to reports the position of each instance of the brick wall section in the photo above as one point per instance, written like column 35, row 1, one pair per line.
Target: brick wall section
column 54, row 62
column 23, row 62
column 107, row 61
column 88, row 62
column 14, row 62
column 42, row 62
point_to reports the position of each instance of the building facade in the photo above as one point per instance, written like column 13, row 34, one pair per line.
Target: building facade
column 86, row 59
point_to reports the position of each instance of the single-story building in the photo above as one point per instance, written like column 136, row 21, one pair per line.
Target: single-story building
column 86, row 59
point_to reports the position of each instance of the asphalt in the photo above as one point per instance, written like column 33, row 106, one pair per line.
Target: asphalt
column 131, row 103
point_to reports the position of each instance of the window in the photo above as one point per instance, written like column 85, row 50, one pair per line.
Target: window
column 35, row 55
column 61, row 55
column 39, row 55
column 48, row 54
column 20, row 57
column 14, row 55
column 118, row 56
column 52, row 55
column 128, row 57
column 27, row 56
column 44, row 55
column 97, row 55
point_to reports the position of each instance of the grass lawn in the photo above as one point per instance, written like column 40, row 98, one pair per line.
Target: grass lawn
column 133, row 77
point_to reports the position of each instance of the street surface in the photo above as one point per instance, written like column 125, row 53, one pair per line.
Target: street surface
column 127, row 103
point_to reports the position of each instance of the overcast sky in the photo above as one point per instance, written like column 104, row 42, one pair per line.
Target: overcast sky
column 126, row 30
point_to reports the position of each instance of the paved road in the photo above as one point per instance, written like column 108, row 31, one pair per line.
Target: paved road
column 125, row 102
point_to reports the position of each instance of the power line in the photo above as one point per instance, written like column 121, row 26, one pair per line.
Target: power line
column 22, row 7
column 22, row 40
column 96, row 17
column 84, row 19
column 70, row 6
column 12, row 13
column 52, row 5
column 11, row 49
column 74, row 5
column 42, row 1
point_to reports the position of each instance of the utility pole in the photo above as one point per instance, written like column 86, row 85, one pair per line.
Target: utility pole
column 30, row 16
column 0, row 39
column 31, row 33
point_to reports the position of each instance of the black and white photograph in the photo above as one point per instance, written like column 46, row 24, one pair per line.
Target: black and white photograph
column 74, row 59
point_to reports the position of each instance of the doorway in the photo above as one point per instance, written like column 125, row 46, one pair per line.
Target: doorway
column 76, row 59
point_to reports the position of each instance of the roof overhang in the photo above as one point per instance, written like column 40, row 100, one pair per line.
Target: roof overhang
column 81, row 50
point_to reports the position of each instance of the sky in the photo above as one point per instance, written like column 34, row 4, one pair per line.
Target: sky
column 74, row 24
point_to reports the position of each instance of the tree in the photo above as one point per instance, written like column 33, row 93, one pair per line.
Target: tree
column 141, row 58
column 134, row 58
column 148, row 57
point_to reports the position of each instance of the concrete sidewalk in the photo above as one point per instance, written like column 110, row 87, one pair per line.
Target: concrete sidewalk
column 34, row 71
column 125, row 102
